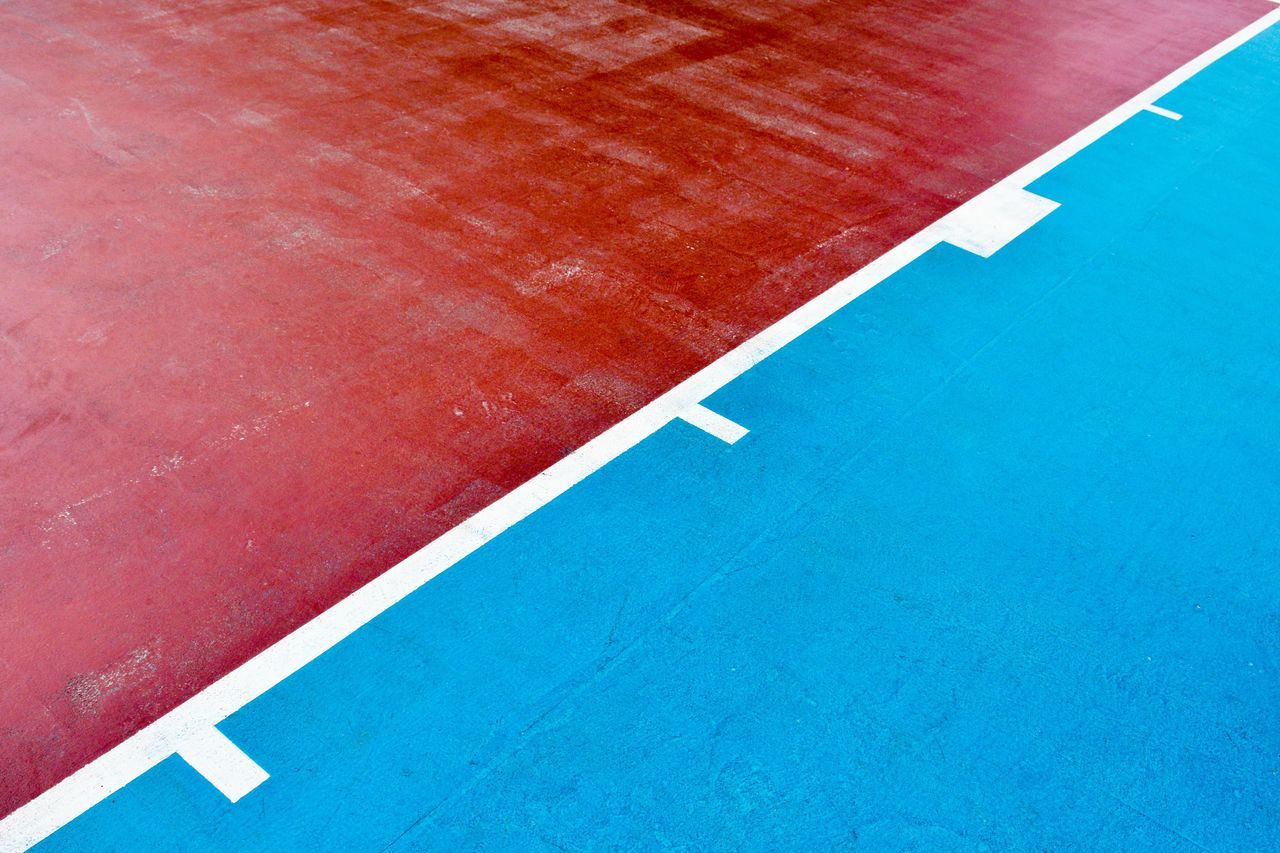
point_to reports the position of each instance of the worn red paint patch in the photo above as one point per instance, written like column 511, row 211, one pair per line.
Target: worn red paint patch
column 291, row 288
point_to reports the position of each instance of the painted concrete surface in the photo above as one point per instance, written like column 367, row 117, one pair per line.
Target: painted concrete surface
column 992, row 569
column 292, row 287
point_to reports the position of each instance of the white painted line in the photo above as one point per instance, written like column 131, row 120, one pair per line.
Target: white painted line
column 987, row 223
column 714, row 423
column 1169, row 114
column 224, row 764
column 125, row 762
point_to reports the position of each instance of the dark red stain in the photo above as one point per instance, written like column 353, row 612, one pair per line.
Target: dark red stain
column 287, row 289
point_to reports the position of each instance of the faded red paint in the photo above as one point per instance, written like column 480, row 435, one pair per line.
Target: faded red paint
column 287, row 289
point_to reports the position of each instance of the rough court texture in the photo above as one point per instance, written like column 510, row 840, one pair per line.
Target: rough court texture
column 290, row 288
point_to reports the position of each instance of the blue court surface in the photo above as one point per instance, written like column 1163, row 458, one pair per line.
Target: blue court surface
column 994, row 569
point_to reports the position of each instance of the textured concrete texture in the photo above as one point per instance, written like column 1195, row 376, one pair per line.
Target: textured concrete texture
column 291, row 288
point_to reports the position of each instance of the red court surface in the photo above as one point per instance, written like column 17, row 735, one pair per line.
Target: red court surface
column 291, row 288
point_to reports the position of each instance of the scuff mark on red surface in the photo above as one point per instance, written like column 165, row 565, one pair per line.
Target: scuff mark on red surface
column 291, row 288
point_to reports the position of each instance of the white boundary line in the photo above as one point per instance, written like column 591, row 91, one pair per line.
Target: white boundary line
column 212, row 754
column 713, row 423
column 1169, row 114
column 125, row 762
column 995, row 218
